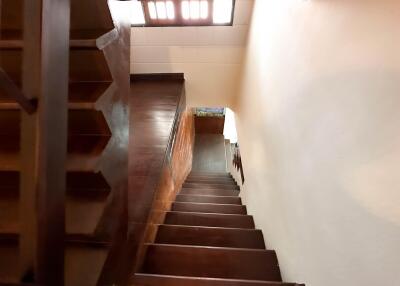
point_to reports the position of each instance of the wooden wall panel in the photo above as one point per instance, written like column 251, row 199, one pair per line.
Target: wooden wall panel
column 174, row 172
column 209, row 124
column 157, row 112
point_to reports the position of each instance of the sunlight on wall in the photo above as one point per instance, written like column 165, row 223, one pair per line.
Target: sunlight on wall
column 230, row 126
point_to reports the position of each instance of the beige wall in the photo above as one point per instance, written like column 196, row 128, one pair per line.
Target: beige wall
column 210, row 57
column 319, row 128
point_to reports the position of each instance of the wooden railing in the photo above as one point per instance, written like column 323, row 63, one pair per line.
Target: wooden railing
column 64, row 115
column 7, row 86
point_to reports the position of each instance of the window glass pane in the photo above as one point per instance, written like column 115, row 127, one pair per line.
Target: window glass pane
column 152, row 10
column 170, row 10
column 137, row 14
column 161, row 10
column 194, row 10
column 204, row 9
column 222, row 11
column 185, row 10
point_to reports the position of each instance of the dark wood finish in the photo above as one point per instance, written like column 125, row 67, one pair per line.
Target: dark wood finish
column 100, row 73
column 210, row 236
column 142, row 279
column 214, row 185
column 52, row 119
column 209, row 175
column 209, row 192
column 209, row 208
column 209, row 124
column 223, row 181
column 13, row 91
column 208, row 244
column 158, row 77
column 208, row 199
column 28, row 221
column 160, row 154
column 212, row 262
column 209, row 219
column 37, row 59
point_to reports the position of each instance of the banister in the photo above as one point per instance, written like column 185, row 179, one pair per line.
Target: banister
column 11, row 89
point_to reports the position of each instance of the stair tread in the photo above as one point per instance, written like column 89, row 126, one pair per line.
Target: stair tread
column 210, row 236
column 169, row 280
column 213, row 262
column 209, row 219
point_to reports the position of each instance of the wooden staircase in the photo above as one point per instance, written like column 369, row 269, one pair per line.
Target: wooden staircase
column 98, row 91
column 208, row 239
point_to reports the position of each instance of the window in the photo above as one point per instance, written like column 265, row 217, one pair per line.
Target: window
column 154, row 13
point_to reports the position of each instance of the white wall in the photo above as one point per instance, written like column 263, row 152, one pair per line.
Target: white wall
column 319, row 128
column 210, row 57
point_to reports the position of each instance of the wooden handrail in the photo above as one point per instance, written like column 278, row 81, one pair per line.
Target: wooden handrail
column 11, row 89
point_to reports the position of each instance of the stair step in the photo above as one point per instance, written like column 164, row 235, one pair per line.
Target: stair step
column 209, row 177
column 209, row 192
column 209, row 208
column 209, row 219
column 209, row 199
column 212, row 262
column 210, row 174
column 210, row 186
column 142, row 279
column 210, row 236
column 202, row 180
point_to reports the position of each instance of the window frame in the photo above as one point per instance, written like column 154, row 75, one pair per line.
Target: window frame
column 179, row 21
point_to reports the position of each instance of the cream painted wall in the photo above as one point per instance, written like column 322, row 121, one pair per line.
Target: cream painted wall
column 319, row 127
column 210, row 57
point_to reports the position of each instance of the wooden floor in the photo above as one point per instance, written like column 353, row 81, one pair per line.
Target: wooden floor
column 208, row 239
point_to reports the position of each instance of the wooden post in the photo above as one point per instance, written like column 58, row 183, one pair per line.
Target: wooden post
column 44, row 141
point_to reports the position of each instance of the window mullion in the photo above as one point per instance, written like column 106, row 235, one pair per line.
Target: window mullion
column 210, row 11
column 178, row 12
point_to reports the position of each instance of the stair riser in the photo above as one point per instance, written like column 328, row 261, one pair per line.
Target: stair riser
column 209, row 199
column 209, row 192
column 209, row 208
column 211, row 181
column 210, row 186
column 204, row 236
column 212, row 220
column 210, row 177
column 148, row 280
column 212, row 262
